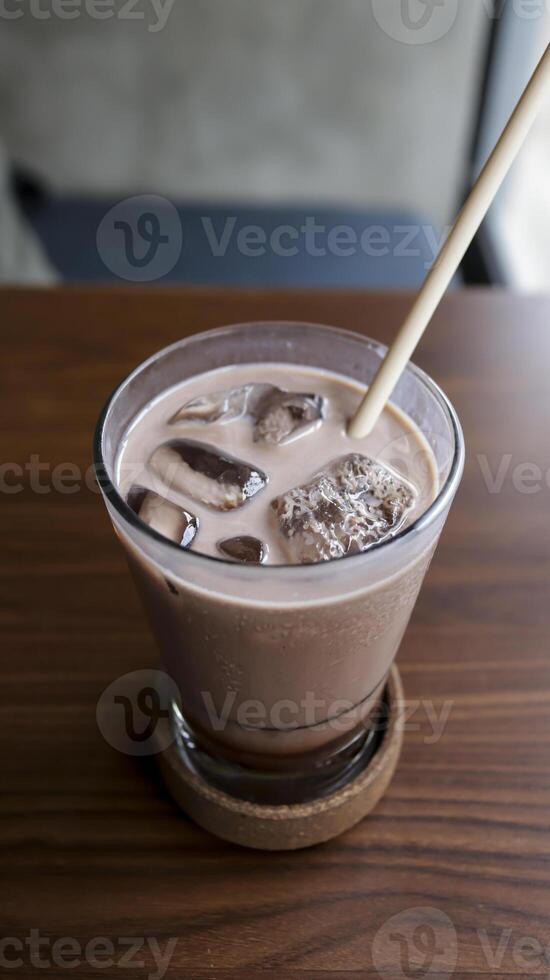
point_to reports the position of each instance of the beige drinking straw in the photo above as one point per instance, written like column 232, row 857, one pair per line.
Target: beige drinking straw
column 453, row 251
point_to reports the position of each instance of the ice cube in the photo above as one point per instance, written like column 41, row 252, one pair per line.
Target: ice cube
column 283, row 415
column 222, row 406
column 245, row 549
column 351, row 504
column 206, row 474
column 278, row 415
column 163, row 516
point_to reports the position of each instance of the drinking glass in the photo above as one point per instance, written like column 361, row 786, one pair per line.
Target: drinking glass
column 281, row 670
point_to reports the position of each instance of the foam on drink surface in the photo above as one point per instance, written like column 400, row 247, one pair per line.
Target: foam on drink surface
column 258, row 455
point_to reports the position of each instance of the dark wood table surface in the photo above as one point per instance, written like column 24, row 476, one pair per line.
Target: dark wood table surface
column 92, row 846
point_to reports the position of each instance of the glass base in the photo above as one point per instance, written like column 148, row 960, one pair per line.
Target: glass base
column 317, row 778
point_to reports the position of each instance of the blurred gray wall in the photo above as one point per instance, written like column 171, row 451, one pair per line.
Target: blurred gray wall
column 270, row 99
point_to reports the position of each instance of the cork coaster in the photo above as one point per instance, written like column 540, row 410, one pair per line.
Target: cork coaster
column 286, row 828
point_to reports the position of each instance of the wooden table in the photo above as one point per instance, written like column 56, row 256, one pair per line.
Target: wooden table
column 91, row 843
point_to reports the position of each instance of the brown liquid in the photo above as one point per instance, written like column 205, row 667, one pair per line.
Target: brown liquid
column 267, row 681
column 395, row 441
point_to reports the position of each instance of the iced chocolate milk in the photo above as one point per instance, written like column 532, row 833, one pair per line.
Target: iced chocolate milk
column 278, row 559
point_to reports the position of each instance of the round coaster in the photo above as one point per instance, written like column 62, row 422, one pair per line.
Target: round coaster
column 286, row 828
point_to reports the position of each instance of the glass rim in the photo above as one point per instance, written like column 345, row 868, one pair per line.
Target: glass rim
column 432, row 512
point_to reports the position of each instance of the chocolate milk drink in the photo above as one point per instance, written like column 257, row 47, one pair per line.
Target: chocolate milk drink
column 278, row 586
